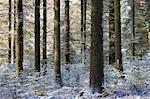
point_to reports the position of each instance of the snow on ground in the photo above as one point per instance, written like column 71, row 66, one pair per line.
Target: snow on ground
column 133, row 83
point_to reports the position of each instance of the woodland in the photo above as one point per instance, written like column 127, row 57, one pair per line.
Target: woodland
column 74, row 49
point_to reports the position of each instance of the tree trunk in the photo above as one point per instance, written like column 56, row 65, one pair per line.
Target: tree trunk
column 83, row 30
column 19, row 38
column 9, row 36
column 44, row 35
column 14, row 49
column 14, row 41
column 96, row 62
column 67, row 32
column 9, row 51
column 118, row 54
column 111, row 33
column 14, row 15
column 37, row 35
column 57, row 41
column 133, row 30
column 9, row 15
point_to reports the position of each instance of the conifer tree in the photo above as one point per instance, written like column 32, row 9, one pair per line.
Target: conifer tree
column 37, row 35
column 67, row 32
column 133, row 30
column 57, row 41
column 96, row 59
column 9, row 50
column 111, row 33
column 10, row 7
column 9, row 36
column 19, row 38
column 118, row 54
column 45, row 34
column 83, row 29
column 14, row 39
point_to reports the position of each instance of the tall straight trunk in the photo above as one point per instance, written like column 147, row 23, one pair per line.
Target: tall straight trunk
column 19, row 38
column 83, row 29
column 9, row 51
column 133, row 29
column 9, row 36
column 14, row 41
column 57, row 41
column 96, row 59
column 45, row 34
column 67, row 32
column 9, row 15
column 118, row 54
column 14, row 49
column 14, row 15
column 111, row 33
column 37, row 35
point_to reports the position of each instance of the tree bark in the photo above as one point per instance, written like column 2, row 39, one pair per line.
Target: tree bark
column 14, row 15
column 83, row 30
column 14, row 49
column 118, row 54
column 9, row 15
column 37, row 35
column 9, row 36
column 57, row 41
column 67, row 32
column 133, row 30
column 19, row 38
column 14, row 41
column 9, row 51
column 96, row 59
column 45, row 35
column 111, row 33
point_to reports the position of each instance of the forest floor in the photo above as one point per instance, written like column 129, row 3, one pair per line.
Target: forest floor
column 133, row 83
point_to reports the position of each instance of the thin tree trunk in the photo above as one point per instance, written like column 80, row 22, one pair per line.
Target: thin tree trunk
column 9, row 51
column 57, row 41
column 14, row 49
column 45, row 35
column 14, row 42
column 9, row 15
column 9, row 36
column 96, row 63
column 118, row 54
column 19, row 38
column 83, row 30
column 67, row 32
column 133, row 30
column 111, row 33
column 14, row 15
column 37, row 35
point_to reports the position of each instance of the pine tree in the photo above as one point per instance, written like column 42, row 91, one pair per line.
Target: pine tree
column 19, row 38
column 9, row 51
column 14, row 48
column 37, row 35
column 9, row 15
column 14, row 40
column 67, row 32
column 14, row 15
column 118, row 54
column 96, row 62
column 45, row 34
column 111, row 33
column 133, row 30
column 9, row 36
column 57, row 41
column 83, row 29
